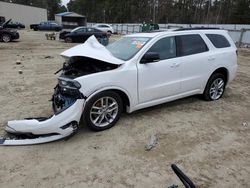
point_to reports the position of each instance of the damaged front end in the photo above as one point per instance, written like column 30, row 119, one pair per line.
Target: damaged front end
column 67, row 101
column 68, row 104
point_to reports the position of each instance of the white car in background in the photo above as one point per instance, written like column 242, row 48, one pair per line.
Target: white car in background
column 105, row 28
column 135, row 72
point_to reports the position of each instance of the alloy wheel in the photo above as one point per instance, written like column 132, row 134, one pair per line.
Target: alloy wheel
column 217, row 88
column 6, row 38
column 104, row 111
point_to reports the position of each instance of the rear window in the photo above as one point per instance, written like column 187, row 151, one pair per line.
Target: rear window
column 190, row 44
column 219, row 41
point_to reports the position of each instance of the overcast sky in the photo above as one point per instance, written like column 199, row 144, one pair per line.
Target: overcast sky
column 64, row 2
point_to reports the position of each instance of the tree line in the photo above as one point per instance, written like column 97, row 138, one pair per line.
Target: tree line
column 164, row 11
column 158, row 11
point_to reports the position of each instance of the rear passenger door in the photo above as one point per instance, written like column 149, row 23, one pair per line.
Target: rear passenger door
column 195, row 62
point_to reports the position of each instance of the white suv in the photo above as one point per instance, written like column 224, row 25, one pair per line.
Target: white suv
column 146, row 69
column 105, row 28
column 135, row 72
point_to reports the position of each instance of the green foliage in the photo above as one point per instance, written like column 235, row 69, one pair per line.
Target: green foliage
column 164, row 11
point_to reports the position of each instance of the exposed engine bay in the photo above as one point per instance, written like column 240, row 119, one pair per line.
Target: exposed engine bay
column 80, row 66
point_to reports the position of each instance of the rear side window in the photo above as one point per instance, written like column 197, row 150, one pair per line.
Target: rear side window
column 190, row 44
column 219, row 41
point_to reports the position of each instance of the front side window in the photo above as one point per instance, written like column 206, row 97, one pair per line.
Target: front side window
column 165, row 47
column 127, row 47
column 219, row 41
column 190, row 44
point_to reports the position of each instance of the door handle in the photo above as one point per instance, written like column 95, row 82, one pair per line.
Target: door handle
column 175, row 65
column 211, row 58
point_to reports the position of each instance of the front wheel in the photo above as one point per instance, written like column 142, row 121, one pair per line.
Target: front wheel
column 215, row 87
column 6, row 38
column 103, row 110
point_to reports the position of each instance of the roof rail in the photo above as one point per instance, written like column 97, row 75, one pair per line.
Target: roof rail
column 196, row 28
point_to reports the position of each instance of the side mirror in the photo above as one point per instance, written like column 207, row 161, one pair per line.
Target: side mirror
column 150, row 57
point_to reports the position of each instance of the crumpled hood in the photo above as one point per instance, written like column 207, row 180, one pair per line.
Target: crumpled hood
column 92, row 49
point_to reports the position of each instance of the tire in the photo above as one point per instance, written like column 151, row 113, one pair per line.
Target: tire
column 68, row 40
column 215, row 87
column 103, row 110
column 5, row 38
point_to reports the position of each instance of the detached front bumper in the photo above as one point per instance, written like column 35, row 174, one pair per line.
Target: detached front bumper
column 62, row 124
column 57, row 124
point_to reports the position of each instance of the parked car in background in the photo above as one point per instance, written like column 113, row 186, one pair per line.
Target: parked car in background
column 46, row 26
column 81, row 34
column 15, row 25
column 7, row 34
column 2, row 20
column 105, row 28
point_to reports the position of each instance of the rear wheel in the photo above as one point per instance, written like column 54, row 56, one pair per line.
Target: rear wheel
column 68, row 40
column 5, row 38
column 215, row 87
column 103, row 110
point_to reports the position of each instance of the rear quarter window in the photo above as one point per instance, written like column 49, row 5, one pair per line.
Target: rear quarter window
column 219, row 41
column 190, row 44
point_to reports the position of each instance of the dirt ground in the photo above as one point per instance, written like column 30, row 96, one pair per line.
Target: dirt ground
column 209, row 141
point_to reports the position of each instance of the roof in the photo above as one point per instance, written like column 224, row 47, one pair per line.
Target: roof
column 69, row 14
column 168, row 31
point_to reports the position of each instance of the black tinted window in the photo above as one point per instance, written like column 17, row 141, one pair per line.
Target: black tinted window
column 81, row 30
column 219, row 41
column 190, row 44
column 165, row 47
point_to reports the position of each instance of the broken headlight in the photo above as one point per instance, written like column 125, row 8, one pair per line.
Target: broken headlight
column 68, row 83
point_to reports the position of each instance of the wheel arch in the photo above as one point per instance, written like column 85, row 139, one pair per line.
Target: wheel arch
column 126, row 99
column 223, row 71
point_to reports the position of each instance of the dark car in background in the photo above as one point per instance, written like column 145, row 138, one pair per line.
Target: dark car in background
column 8, row 34
column 46, row 26
column 15, row 25
column 81, row 34
column 2, row 20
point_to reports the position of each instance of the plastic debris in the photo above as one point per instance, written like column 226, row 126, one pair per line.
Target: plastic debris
column 244, row 124
column 18, row 62
column 48, row 57
column 20, row 72
column 152, row 142
column 173, row 186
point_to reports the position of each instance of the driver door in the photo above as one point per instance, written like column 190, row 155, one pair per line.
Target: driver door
column 158, row 80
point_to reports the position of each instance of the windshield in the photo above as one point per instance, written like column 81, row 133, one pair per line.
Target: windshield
column 127, row 47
